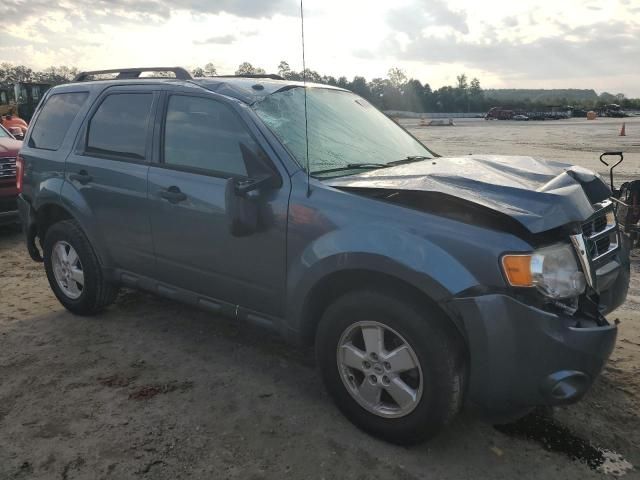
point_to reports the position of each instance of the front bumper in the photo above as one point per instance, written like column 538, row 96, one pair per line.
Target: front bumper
column 522, row 357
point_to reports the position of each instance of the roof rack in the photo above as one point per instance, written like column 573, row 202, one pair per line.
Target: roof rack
column 271, row 76
column 131, row 73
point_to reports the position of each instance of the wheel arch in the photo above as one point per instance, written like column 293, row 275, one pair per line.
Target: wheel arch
column 49, row 214
column 338, row 283
column 54, row 211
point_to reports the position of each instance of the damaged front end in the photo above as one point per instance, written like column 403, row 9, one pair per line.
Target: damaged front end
column 577, row 265
column 542, row 338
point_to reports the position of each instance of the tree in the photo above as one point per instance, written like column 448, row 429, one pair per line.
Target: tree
column 329, row 80
column 359, row 87
column 475, row 88
column 462, row 94
column 313, row 76
column 246, row 68
column 343, row 82
column 476, row 96
column 210, row 70
column 378, row 87
column 413, row 96
column 396, row 92
column 446, row 99
column 15, row 73
column 462, row 82
column 427, row 98
column 284, row 70
column 397, row 77
column 56, row 75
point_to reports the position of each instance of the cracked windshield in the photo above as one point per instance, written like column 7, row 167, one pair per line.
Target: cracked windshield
column 345, row 130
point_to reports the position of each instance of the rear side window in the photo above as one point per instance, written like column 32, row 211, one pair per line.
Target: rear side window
column 119, row 126
column 55, row 118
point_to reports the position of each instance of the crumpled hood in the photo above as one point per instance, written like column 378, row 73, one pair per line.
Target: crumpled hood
column 539, row 194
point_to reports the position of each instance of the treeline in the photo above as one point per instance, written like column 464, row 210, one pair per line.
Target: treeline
column 394, row 92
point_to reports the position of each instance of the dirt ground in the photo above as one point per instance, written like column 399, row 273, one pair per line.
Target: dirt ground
column 154, row 389
column 577, row 141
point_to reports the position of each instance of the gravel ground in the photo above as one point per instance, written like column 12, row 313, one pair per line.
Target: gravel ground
column 154, row 389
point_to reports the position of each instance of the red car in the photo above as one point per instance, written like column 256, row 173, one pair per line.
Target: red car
column 9, row 148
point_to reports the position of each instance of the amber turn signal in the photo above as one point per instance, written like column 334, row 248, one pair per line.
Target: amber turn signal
column 517, row 268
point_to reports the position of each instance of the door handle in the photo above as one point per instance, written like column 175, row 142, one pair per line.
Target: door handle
column 173, row 194
column 81, row 177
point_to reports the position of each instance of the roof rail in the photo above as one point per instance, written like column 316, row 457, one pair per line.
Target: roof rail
column 271, row 76
column 130, row 73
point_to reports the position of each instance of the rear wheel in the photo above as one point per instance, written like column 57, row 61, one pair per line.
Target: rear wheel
column 73, row 270
column 394, row 367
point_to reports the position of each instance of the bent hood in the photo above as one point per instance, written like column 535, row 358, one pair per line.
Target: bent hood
column 539, row 194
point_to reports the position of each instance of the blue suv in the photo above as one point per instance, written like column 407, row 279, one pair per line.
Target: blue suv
column 424, row 282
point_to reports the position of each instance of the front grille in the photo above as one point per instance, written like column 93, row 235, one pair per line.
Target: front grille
column 601, row 233
column 595, row 225
column 7, row 168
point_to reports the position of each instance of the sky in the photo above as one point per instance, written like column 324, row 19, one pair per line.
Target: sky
column 506, row 44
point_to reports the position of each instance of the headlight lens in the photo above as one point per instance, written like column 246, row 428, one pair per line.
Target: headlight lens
column 553, row 270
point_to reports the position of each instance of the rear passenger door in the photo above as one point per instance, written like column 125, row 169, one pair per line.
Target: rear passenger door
column 206, row 141
column 107, row 173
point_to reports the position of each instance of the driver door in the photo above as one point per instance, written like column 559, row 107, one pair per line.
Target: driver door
column 204, row 142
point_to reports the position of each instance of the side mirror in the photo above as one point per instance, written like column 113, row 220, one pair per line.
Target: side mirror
column 242, row 204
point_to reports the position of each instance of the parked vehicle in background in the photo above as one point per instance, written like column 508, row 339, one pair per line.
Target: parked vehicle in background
column 424, row 282
column 612, row 110
column 15, row 125
column 9, row 148
column 520, row 117
column 499, row 113
column 21, row 99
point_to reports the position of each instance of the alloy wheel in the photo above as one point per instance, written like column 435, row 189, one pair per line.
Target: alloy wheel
column 380, row 369
column 67, row 269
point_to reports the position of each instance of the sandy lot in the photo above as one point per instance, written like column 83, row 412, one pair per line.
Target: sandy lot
column 154, row 389
column 576, row 141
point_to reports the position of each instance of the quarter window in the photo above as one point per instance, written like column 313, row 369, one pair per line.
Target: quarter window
column 206, row 135
column 119, row 126
column 55, row 119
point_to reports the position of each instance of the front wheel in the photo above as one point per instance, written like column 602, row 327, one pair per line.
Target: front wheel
column 394, row 367
column 73, row 270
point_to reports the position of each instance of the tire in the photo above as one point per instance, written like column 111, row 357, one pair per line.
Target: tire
column 95, row 293
column 437, row 351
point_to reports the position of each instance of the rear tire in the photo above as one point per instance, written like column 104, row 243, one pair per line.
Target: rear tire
column 73, row 270
column 414, row 404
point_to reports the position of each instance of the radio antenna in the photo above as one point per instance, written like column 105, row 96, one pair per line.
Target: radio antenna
column 306, row 120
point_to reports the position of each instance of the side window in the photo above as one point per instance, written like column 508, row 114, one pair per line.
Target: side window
column 119, row 126
column 206, row 135
column 55, row 119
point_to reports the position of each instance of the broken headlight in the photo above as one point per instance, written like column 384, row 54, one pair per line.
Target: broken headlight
column 553, row 270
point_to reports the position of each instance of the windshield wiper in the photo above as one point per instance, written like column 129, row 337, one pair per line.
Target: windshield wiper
column 409, row 159
column 353, row 166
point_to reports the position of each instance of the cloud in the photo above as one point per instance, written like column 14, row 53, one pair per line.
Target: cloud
column 219, row 40
column 606, row 49
column 510, row 22
column 412, row 18
column 19, row 11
